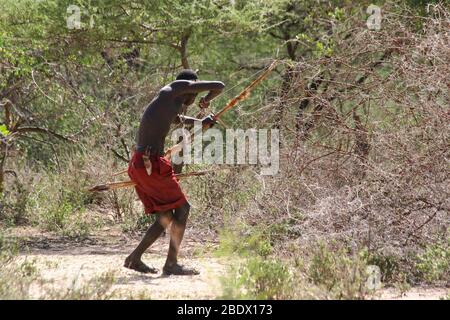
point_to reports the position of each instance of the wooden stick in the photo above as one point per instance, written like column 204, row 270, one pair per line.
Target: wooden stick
column 119, row 173
column 112, row 186
column 126, row 184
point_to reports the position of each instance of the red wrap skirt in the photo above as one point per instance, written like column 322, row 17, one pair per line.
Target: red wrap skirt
column 159, row 191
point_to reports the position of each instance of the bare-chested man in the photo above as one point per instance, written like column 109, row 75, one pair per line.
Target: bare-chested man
column 157, row 187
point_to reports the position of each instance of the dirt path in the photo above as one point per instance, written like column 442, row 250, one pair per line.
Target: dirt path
column 65, row 264
column 65, row 270
column 419, row 293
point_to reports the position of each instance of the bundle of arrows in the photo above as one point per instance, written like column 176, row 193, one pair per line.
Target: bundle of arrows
column 125, row 184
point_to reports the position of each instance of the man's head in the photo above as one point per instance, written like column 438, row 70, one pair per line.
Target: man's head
column 188, row 74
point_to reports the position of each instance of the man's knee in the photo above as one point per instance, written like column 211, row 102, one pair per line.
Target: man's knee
column 165, row 218
column 182, row 212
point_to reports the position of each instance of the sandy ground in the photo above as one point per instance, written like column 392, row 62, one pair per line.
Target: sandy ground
column 63, row 270
column 419, row 293
column 65, row 264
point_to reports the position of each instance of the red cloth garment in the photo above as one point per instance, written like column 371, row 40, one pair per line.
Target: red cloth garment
column 159, row 191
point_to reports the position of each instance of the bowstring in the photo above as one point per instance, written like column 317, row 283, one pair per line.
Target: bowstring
column 203, row 111
column 236, row 85
column 242, row 81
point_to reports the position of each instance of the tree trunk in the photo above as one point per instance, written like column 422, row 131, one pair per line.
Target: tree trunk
column 183, row 49
column 2, row 167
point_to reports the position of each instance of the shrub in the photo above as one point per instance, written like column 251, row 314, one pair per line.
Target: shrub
column 257, row 278
column 434, row 263
column 58, row 203
column 14, row 201
column 337, row 274
column 241, row 240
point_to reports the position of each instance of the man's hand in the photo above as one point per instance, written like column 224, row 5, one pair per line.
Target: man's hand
column 203, row 103
column 209, row 120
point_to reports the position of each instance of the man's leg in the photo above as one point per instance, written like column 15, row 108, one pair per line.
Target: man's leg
column 176, row 236
column 133, row 261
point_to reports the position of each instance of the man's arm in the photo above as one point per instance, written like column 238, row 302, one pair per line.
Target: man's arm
column 190, row 120
column 185, row 119
column 181, row 87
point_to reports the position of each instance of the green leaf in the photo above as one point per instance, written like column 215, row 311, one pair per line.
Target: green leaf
column 3, row 130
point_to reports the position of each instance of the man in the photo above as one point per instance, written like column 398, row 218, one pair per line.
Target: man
column 156, row 184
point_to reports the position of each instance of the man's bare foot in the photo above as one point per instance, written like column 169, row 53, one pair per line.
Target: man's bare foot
column 139, row 266
column 179, row 270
